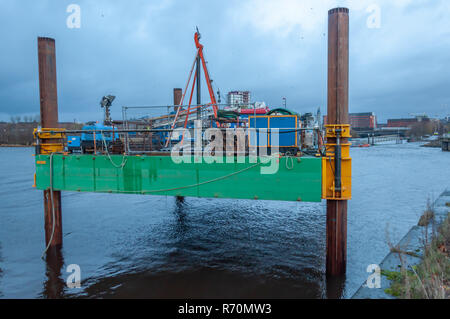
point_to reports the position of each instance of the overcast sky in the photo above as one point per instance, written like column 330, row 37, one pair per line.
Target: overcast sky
column 140, row 50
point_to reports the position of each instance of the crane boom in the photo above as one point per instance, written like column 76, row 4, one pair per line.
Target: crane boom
column 205, row 69
column 212, row 96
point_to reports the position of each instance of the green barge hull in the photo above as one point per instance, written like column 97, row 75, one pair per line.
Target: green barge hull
column 296, row 179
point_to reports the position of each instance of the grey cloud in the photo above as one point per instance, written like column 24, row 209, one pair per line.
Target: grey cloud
column 140, row 50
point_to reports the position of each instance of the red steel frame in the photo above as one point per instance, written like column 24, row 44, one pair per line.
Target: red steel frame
column 213, row 103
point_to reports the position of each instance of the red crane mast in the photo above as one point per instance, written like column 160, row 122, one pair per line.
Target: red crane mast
column 212, row 96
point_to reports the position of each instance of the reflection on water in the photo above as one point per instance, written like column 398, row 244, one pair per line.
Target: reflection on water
column 54, row 285
column 154, row 246
column 213, row 248
column 335, row 286
column 217, row 251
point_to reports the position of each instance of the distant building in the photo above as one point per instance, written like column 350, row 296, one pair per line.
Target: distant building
column 363, row 120
column 319, row 118
column 308, row 119
column 407, row 122
column 236, row 98
column 367, row 120
column 401, row 122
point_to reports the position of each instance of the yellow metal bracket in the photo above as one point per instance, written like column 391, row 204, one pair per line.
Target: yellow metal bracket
column 329, row 190
column 49, row 140
column 332, row 129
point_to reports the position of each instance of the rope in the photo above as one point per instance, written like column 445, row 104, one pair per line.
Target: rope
column 289, row 159
column 194, row 185
column 53, row 206
column 156, row 130
column 148, row 191
column 124, row 159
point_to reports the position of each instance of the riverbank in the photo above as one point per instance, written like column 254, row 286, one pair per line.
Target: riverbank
column 21, row 134
column 414, row 257
column 429, row 279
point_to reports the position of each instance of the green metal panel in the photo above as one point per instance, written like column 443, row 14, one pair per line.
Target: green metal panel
column 295, row 179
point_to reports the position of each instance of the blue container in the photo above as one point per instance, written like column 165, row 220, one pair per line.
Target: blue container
column 286, row 124
column 258, row 138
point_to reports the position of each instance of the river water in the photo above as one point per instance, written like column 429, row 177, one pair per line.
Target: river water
column 151, row 246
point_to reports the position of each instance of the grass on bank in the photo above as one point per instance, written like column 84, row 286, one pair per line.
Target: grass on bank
column 431, row 278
